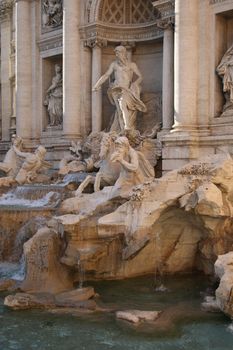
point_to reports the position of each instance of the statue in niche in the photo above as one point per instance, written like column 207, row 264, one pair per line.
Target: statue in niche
column 53, row 100
column 124, row 91
column 52, row 13
column 32, row 164
column 11, row 162
column 225, row 71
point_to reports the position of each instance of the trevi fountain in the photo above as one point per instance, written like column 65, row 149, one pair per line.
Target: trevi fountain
column 116, row 174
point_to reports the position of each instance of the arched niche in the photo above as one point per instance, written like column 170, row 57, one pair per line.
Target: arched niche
column 132, row 23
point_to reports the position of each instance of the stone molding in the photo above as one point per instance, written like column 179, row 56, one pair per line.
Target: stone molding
column 99, row 31
column 51, row 43
column 213, row 2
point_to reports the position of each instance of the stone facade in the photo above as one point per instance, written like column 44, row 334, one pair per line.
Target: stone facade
column 179, row 68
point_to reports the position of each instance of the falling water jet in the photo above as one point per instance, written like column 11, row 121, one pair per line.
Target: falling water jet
column 81, row 272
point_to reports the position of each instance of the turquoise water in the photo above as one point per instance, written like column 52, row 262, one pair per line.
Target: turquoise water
column 183, row 325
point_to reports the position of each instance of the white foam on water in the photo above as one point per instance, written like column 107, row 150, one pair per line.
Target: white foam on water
column 11, row 199
column 12, row 270
column 230, row 328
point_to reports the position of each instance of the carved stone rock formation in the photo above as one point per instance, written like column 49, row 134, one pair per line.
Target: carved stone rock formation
column 178, row 223
column 44, row 272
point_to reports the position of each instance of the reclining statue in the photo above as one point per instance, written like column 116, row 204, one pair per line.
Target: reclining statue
column 33, row 163
column 11, row 162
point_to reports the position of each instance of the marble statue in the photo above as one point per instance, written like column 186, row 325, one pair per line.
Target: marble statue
column 124, row 91
column 52, row 13
column 11, row 162
column 53, row 100
column 135, row 168
column 109, row 171
column 32, row 164
column 225, row 71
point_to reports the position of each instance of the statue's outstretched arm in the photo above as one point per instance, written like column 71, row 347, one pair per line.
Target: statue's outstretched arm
column 104, row 78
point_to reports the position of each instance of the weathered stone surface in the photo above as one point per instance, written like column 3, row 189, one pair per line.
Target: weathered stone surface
column 224, row 293
column 7, row 284
column 44, row 272
column 79, row 294
column 24, row 301
column 136, row 316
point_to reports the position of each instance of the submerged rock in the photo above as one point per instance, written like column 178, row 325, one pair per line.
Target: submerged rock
column 136, row 316
column 73, row 297
column 24, row 301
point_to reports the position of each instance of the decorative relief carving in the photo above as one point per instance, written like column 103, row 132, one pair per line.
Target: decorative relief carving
column 166, row 8
column 6, row 8
column 52, row 13
column 116, row 34
column 127, row 12
column 213, row 2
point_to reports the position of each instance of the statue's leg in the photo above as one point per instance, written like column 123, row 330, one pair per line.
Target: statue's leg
column 125, row 113
column 97, row 182
column 89, row 179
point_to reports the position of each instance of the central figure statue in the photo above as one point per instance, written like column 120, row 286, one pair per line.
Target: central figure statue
column 124, row 91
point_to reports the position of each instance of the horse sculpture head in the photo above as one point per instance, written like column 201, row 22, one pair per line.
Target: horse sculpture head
column 107, row 145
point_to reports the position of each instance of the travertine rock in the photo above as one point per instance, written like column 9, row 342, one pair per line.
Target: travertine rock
column 24, row 301
column 136, row 316
column 224, row 293
column 44, row 272
column 177, row 223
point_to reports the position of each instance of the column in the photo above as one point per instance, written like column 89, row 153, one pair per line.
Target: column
column 23, row 69
column 96, row 95
column 186, row 64
column 86, row 89
column 71, row 70
column 168, row 77
column 6, row 96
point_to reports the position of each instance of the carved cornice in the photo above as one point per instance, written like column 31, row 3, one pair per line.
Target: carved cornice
column 50, row 43
column 6, row 7
column 166, row 8
column 101, row 31
column 213, row 2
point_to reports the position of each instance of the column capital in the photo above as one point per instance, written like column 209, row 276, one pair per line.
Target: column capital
column 166, row 24
column 92, row 43
column 166, row 8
